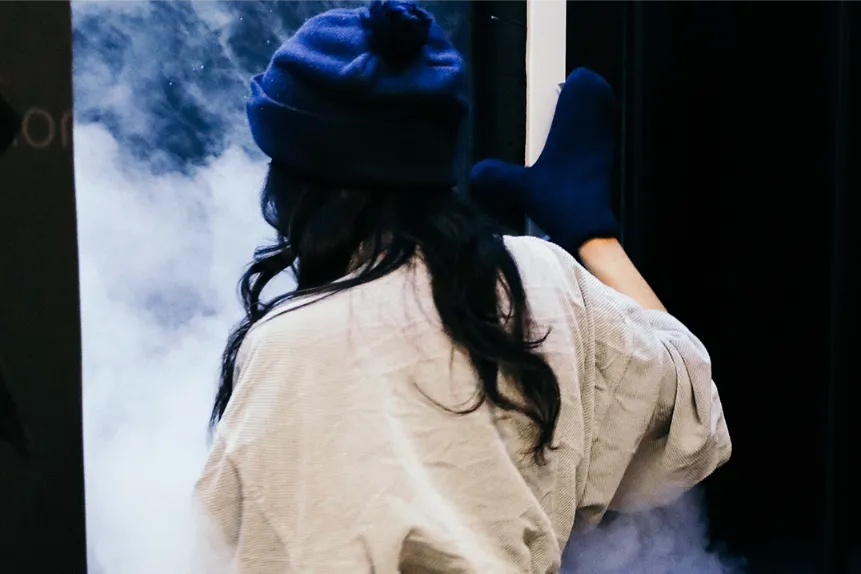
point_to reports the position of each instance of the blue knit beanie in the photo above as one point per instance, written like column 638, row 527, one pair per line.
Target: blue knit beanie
column 366, row 96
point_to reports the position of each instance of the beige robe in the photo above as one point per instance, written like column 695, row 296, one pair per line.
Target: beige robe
column 332, row 457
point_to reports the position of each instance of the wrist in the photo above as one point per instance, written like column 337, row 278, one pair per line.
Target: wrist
column 600, row 248
column 608, row 262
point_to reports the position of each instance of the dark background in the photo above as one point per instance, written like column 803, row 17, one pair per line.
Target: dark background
column 739, row 146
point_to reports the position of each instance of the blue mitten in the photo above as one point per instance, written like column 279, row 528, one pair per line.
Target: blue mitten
column 567, row 191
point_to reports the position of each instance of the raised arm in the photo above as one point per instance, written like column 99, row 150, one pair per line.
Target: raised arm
column 660, row 426
column 607, row 260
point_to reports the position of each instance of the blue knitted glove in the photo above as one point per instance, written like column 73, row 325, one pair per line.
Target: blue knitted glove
column 567, row 191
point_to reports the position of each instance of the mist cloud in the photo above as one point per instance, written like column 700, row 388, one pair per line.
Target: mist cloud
column 158, row 270
column 167, row 200
column 670, row 540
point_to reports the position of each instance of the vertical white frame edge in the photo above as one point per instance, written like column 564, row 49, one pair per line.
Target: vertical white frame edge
column 545, row 71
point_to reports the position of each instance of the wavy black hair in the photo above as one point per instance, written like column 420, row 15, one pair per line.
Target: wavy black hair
column 322, row 227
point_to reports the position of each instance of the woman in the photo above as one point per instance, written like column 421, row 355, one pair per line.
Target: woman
column 434, row 396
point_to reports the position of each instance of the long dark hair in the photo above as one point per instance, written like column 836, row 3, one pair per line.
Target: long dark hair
column 322, row 227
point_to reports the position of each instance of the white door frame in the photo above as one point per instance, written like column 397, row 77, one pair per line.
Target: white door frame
column 545, row 69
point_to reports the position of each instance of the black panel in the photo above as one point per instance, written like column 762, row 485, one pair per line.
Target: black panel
column 597, row 39
column 842, row 537
column 499, row 101
column 739, row 198
column 42, row 496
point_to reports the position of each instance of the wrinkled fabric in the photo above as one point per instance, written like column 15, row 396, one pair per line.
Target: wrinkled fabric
column 335, row 456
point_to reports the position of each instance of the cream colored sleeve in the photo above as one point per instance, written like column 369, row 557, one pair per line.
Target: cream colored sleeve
column 226, row 511
column 218, row 513
column 659, row 424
